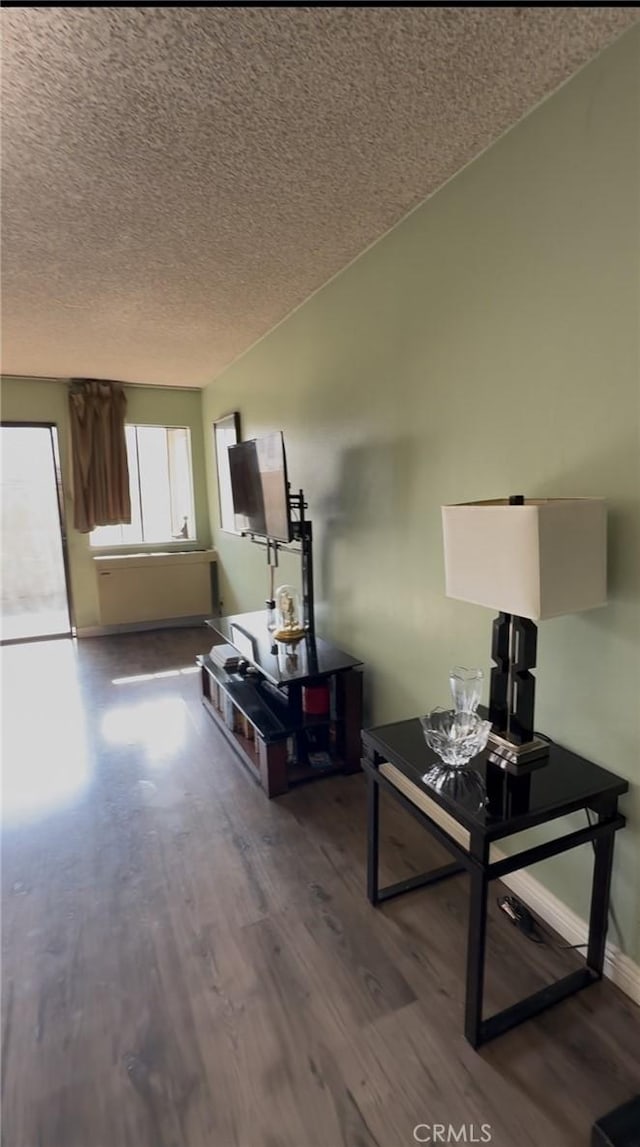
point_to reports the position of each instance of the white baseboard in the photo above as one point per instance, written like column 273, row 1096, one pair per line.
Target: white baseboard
column 618, row 968
column 140, row 626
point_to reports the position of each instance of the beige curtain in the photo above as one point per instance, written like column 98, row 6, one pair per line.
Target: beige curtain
column 99, row 453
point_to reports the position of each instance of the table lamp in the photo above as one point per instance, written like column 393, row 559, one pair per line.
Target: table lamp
column 530, row 560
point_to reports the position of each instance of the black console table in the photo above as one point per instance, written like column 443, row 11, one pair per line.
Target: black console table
column 261, row 709
column 395, row 759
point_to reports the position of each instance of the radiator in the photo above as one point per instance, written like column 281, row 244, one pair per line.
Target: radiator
column 154, row 587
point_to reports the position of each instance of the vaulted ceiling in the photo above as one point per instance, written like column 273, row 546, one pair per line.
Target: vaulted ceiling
column 176, row 180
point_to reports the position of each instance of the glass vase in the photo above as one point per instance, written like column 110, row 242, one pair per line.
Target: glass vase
column 466, row 688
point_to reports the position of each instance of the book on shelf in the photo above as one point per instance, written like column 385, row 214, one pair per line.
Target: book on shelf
column 225, row 656
column 320, row 760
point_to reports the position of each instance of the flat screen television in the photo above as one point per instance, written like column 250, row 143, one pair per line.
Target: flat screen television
column 259, row 487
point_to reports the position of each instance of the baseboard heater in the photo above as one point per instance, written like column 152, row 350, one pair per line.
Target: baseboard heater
column 147, row 588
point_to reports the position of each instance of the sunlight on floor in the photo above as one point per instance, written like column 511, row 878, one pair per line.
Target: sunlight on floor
column 155, row 676
column 34, row 623
column 159, row 727
column 46, row 760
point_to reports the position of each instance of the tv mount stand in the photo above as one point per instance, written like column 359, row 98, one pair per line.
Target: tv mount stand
column 302, row 543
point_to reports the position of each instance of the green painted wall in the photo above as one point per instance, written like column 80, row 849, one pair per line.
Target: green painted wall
column 487, row 345
column 33, row 400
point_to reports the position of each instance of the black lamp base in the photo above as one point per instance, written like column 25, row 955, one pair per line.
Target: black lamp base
column 516, row 758
column 512, row 742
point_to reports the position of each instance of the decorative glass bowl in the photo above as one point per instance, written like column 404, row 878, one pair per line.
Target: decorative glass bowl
column 456, row 737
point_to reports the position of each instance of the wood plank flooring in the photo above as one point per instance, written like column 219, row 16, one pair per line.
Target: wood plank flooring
column 186, row 964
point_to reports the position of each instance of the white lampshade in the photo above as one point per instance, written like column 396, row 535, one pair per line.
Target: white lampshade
column 538, row 560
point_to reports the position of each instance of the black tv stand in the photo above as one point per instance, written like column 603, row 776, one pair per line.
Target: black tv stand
column 262, row 714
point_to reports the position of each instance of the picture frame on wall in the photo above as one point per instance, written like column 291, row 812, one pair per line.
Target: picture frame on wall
column 226, row 433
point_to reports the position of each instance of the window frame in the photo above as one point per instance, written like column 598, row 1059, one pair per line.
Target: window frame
column 169, row 545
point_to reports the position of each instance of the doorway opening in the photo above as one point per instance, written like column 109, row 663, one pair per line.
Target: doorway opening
column 35, row 601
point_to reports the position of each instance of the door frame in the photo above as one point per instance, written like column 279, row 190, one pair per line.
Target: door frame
column 52, row 427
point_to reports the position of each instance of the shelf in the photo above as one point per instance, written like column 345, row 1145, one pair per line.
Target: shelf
column 246, row 696
column 298, row 774
column 245, row 748
column 247, row 751
column 314, row 721
column 316, row 658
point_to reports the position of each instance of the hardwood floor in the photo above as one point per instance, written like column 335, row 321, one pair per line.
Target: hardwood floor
column 186, row 964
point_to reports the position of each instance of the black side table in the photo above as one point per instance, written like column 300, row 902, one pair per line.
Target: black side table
column 395, row 759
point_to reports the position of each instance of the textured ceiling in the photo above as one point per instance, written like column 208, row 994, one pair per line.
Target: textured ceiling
column 175, row 180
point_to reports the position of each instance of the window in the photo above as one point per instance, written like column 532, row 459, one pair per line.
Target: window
column 161, row 488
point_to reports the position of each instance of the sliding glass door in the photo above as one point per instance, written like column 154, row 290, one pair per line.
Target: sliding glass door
column 34, row 598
